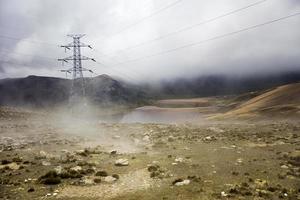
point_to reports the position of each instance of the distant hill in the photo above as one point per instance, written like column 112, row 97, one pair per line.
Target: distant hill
column 48, row 91
column 104, row 90
column 34, row 91
column 216, row 85
column 283, row 101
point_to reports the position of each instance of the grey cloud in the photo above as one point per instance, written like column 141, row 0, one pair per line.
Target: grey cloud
column 269, row 49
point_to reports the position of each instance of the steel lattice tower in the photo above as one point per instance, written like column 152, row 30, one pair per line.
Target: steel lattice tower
column 78, row 85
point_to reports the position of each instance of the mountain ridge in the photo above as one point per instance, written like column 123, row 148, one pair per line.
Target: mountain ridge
column 41, row 91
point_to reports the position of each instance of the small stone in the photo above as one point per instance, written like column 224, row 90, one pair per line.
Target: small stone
column 76, row 169
column 153, row 168
column 261, row 183
column 179, row 160
column 272, row 189
column 235, row 173
column 263, row 193
column 183, row 182
column 215, row 129
column 109, row 179
column 113, row 152
column 121, row 162
column 284, row 167
column 30, row 189
column 11, row 166
column 223, row 194
column 97, row 180
column 58, row 169
column 81, row 152
column 50, row 178
column 5, row 162
column 17, row 159
column 65, row 151
column 209, row 138
column 101, row 173
column 87, row 181
column 42, row 155
column 194, row 178
column 116, row 176
column 46, row 163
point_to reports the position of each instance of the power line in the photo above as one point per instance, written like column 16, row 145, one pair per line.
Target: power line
column 102, row 64
column 26, row 40
column 210, row 39
column 148, row 17
column 188, row 27
column 157, row 38
column 48, row 59
column 44, row 58
column 119, row 72
column 18, row 64
column 35, row 56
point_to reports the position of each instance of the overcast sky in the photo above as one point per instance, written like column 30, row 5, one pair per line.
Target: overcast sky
column 32, row 30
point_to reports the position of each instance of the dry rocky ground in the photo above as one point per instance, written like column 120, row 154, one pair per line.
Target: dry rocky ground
column 41, row 159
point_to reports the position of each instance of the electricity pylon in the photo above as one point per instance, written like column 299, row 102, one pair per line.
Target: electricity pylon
column 78, row 84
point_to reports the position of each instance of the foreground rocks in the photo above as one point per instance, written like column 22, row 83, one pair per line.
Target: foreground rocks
column 248, row 161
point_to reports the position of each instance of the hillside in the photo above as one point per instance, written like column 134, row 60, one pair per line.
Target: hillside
column 40, row 91
column 216, row 85
column 37, row 91
column 283, row 101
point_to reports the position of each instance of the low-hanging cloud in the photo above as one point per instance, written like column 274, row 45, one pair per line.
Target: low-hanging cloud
column 111, row 28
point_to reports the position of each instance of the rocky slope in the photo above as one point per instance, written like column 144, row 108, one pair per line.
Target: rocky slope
column 48, row 91
column 281, row 101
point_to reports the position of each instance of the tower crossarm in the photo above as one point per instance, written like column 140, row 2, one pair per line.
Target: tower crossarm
column 75, row 58
column 71, row 45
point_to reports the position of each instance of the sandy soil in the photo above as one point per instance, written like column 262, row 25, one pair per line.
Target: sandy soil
column 46, row 159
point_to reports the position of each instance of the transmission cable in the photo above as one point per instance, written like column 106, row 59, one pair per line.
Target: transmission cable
column 188, row 27
column 147, row 17
column 118, row 71
column 27, row 40
column 210, row 39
